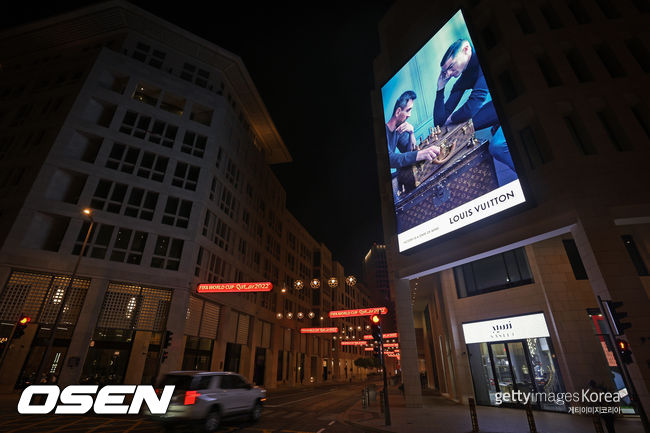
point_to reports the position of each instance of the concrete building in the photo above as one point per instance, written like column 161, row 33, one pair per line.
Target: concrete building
column 165, row 137
column 570, row 81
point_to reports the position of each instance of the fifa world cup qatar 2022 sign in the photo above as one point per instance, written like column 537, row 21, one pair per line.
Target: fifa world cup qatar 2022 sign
column 234, row 287
column 450, row 164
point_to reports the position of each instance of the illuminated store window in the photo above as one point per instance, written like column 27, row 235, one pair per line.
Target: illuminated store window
column 498, row 272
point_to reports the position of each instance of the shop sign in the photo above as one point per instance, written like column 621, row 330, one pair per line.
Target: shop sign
column 358, row 312
column 509, row 328
column 234, row 287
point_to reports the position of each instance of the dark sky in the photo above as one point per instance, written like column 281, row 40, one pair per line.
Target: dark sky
column 313, row 68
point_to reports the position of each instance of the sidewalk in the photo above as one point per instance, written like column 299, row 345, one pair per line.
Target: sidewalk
column 438, row 414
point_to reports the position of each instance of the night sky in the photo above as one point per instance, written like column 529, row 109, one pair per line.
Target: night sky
column 313, row 68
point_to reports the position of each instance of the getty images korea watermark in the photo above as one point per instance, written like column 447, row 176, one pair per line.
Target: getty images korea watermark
column 584, row 402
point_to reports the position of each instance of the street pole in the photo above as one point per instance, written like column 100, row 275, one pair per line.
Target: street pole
column 66, row 295
column 383, row 368
column 636, row 402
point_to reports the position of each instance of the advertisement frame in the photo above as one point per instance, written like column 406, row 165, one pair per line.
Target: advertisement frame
column 504, row 121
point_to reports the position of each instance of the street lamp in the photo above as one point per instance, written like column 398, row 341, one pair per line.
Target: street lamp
column 88, row 212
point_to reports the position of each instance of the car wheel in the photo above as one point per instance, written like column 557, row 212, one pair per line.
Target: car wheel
column 212, row 421
column 256, row 413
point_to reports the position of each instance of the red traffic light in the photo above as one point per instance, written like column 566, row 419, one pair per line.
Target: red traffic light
column 375, row 319
column 24, row 320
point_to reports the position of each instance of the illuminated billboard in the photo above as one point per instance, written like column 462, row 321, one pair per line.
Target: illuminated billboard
column 450, row 163
column 358, row 312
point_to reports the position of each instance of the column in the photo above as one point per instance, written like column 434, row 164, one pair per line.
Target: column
column 83, row 333
column 407, row 343
column 176, row 324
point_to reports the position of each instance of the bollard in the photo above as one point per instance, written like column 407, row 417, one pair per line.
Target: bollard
column 531, row 419
column 472, row 413
column 598, row 427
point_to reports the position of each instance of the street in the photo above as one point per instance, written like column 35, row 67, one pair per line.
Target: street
column 316, row 409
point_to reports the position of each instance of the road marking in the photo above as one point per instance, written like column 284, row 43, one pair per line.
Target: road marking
column 134, row 425
column 321, row 430
column 301, row 399
column 31, row 425
column 331, row 423
column 99, row 425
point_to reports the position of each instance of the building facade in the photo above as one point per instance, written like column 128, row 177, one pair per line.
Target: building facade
column 164, row 137
column 514, row 303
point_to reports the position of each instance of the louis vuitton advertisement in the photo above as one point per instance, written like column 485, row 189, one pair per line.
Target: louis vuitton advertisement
column 449, row 160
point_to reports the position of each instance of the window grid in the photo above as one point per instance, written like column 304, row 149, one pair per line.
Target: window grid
column 129, row 306
column 186, row 176
column 167, row 253
column 177, row 212
column 144, row 127
column 39, row 296
column 128, row 246
column 194, row 144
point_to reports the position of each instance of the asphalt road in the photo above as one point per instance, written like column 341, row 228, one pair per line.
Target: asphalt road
column 307, row 410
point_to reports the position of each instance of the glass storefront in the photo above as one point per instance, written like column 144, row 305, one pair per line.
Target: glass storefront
column 516, row 356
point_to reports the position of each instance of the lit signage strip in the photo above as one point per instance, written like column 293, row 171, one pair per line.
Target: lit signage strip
column 234, row 287
column 369, row 349
column 319, row 330
column 391, row 344
column 353, row 343
column 388, row 335
column 358, row 312
column 509, row 328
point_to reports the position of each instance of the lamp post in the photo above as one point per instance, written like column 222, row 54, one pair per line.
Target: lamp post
column 66, row 294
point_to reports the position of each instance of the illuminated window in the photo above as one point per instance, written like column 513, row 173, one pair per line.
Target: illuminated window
column 498, row 272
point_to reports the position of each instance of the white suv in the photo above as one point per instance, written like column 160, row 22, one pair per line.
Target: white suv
column 206, row 397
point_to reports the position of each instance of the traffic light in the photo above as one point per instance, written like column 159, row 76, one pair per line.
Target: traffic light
column 619, row 327
column 167, row 339
column 376, row 351
column 21, row 325
column 376, row 328
column 623, row 348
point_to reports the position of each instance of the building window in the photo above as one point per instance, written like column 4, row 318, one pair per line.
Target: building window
column 141, row 204
column 642, row 115
column 642, row 6
column 141, row 126
column 608, row 9
column 186, row 176
column 508, row 86
column 109, row 196
column 526, row 24
column 228, row 203
column 201, row 114
column 98, row 241
column 147, row 94
column 548, row 71
column 614, row 130
column 195, row 75
column 609, row 60
column 532, row 149
column 498, row 272
column 577, row 63
column 635, row 255
column 579, row 12
column 125, row 159
column 167, row 253
column 232, row 173
column 550, row 15
column 579, row 135
column 177, row 212
column 194, row 144
column 128, row 246
column 145, row 54
column 640, row 53
column 574, row 258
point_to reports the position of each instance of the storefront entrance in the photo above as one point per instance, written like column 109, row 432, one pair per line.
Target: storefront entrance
column 525, row 365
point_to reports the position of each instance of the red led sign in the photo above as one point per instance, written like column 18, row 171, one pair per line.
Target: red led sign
column 234, row 287
column 391, row 344
column 369, row 349
column 389, row 335
column 319, row 330
column 358, row 312
column 353, row 343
